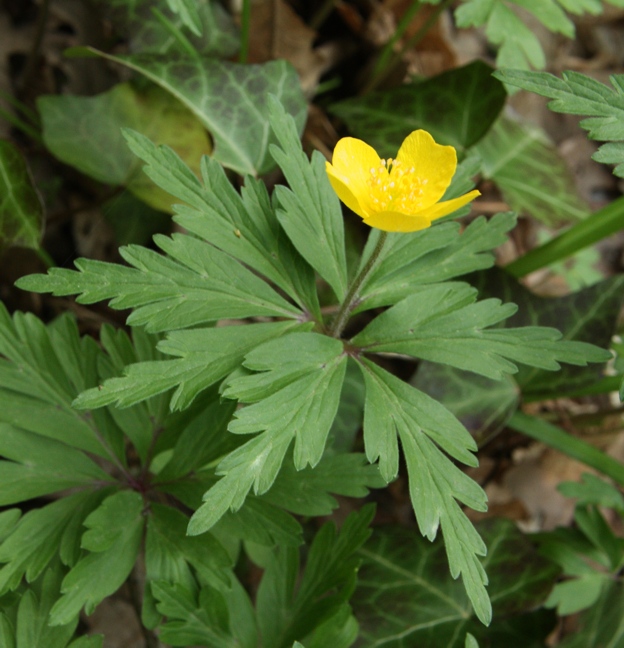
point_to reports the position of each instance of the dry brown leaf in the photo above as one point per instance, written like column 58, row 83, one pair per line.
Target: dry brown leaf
column 277, row 32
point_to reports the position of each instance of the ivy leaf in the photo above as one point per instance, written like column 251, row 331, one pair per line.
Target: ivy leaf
column 229, row 99
column 482, row 405
column 442, row 323
column 300, row 407
column 112, row 539
column 432, row 255
column 309, row 211
column 205, row 357
column 425, row 608
column 457, row 107
column 531, row 174
column 86, row 133
column 586, row 316
column 578, row 94
column 21, row 210
column 602, row 622
column 427, row 430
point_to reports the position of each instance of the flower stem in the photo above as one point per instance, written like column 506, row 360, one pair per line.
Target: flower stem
column 245, row 27
column 390, row 62
column 353, row 294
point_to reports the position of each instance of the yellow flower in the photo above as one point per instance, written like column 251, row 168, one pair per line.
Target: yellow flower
column 401, row 194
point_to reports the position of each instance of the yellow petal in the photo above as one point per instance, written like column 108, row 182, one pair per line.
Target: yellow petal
column 352, row 162
column 432, row 162
column 396, row 222
column 448, row 206
column 345, row 194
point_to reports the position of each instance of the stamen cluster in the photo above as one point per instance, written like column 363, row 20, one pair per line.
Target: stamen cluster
column 395, row 187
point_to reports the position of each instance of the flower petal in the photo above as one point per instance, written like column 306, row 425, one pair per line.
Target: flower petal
column 396, row 222
column 352, row 162
column 432, row 162
column 448, row 206
column 345, row 194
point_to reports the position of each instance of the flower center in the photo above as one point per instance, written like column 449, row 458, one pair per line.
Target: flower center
column 395, row 187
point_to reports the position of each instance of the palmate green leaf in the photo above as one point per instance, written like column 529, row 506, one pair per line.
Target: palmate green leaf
column 217, row 34
column 43, row 533
column 141, row 422
column 309, row 211
column 34, row 465
column 578, row 94
column 432, row 255
column 588, row 316
column 205, row 356
column 531, row 174
column 45, row 367
column 590, row 553
column 290, row 609
column 195, row 284
column 170, row 553
column 242, row 225
column 295, row 406
column 421, row 606
column 8, row 520
column 21, row 210
column 338, row 631
column 427, row 430
column 113, row 538
column 229, row 99
column 31, row 629
column 201, row 441
column 350, row 413
column 593, row 490
column 307, row 492
column 214, row 619
column 518, row 45
column 443, row 323
column 457, row 107
column 86, row 133
column 260, row 523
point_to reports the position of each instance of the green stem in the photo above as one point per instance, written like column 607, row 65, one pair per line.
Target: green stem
column 245, row 26
column 32, row 63
column 378, row 75
column 388, row 49
column 594, row 228
column 321, row 15
column 352, row 297
column 45, row 257
column 605, row 385
column 180, row 38
column 556, row 438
